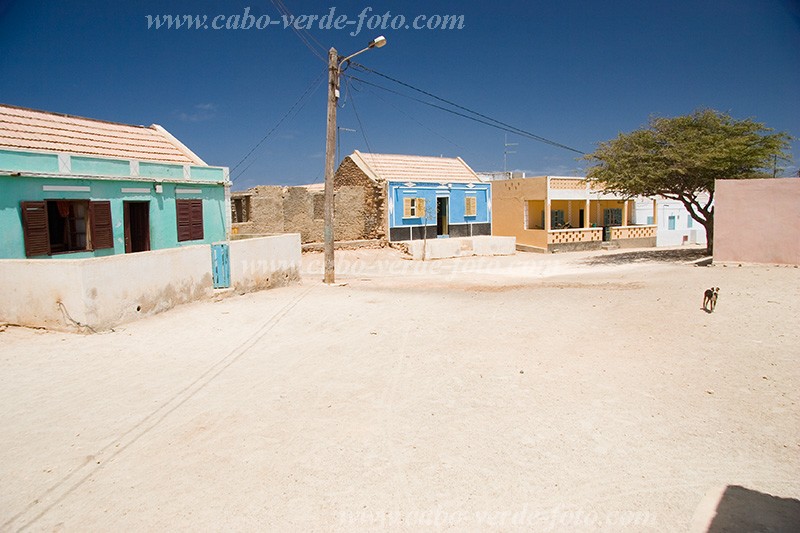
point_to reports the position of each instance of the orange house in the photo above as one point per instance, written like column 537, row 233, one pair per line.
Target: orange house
column 555, row 213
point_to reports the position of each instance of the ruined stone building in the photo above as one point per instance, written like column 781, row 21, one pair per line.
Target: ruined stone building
column 269, row 209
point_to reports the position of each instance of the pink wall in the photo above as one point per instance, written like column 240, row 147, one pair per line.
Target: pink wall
column 757, row 221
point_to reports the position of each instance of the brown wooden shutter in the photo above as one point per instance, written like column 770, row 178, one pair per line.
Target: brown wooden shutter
column 100, row 221
column 34, row 227
column 184, row 215
column 190, row 220
column 197, row 220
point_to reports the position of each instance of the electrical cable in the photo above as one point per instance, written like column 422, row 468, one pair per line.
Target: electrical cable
column 355, row 111
column 509, row 127
column 304, row 37
column 310, row 90
column 409, row 117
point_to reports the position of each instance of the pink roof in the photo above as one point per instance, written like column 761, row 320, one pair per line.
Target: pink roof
column 414, row 168
column 42, row 131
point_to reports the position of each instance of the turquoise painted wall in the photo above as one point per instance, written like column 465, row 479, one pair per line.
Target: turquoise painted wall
column 163, row 226
column 456, row 192
column 160, row 170
column 47, row 163
column 28, row 162
column 94, row 166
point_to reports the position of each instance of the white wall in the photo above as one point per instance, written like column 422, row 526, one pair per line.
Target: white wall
column 103, row 292
column 462, row 246
column 682, row 234
column 265, row 262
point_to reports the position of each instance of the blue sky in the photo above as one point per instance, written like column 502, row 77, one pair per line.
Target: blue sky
column 576, row 72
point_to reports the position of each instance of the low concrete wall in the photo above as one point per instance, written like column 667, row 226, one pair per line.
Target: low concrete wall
column 641, row 242
column 99, row 293
column 486, row 245
column 574, row 246
column 265, row 262
column 462, row 246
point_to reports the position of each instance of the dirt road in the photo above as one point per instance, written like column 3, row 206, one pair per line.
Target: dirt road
column 574, row 392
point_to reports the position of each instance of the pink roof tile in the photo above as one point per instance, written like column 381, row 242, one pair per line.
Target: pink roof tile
column 29, row 129
column 414, row 168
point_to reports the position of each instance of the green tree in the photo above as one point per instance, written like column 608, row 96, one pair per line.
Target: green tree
column 680, row 157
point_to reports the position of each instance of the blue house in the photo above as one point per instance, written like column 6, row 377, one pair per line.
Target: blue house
column 413, row 197
column 77, row 187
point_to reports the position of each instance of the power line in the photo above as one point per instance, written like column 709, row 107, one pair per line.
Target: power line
column 355, row 111
column 508, row 127
column 405, row 114
column 304, row 37
column 511, row 129
column 311, row 88
column 442, row 108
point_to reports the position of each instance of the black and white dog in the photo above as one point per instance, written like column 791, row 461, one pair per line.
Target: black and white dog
column 710, row 299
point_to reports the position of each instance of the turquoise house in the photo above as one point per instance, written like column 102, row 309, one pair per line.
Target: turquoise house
column 76, row 187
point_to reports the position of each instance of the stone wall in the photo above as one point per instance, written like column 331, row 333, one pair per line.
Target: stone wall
column 374, row 198
column 265, row 210
column 276, row 209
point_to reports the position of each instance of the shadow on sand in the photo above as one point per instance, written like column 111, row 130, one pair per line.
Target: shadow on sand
column 649, row 256
column 742, row 509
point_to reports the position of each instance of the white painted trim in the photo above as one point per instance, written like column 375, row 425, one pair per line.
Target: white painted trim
column 66, row 188
column 138, row 190
column 24, row 175
column 361, row 163
column 181, row 190
column 228, row 213
column 65, row 163
column 134, row 168
column 179, row 145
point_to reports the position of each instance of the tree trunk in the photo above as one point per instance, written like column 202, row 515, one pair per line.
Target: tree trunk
column 709, row 225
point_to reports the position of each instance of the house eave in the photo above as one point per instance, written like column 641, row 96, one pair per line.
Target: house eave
column 97, row 177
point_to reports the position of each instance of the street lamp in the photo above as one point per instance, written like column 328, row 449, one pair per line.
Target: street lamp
column 334, row 70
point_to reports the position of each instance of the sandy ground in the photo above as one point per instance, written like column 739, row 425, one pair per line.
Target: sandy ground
column 570, row 392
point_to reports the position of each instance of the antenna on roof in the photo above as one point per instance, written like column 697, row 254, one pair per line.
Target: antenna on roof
column 506, row 151
column 339, row 142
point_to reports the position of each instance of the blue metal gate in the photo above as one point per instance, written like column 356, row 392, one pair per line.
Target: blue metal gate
column 220, row 266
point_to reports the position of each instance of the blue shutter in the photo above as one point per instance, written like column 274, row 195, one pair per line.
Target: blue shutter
column 220, row 266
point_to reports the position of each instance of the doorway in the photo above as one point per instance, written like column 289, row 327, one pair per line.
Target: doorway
column 137, row 226
column 442, row 217
column 581, row 218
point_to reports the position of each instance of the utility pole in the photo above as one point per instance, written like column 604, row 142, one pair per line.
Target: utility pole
column 334, row 66
column 330, row 150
